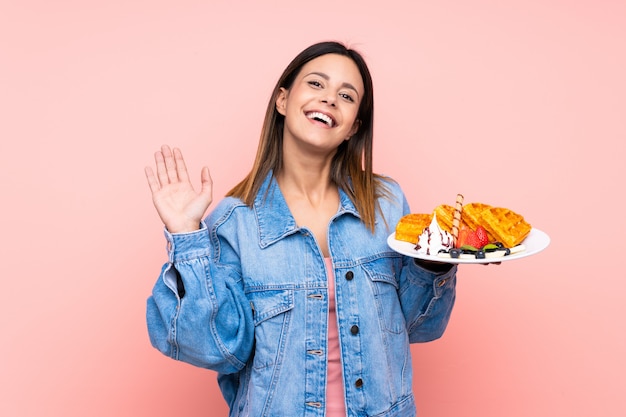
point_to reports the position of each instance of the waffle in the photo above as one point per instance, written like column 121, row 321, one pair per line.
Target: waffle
column 472, row 214
column 505, row 225
column 411, row 226
column 445, row 216
column 472, row 217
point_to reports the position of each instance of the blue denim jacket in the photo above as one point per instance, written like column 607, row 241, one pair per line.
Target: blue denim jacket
column 253, row 306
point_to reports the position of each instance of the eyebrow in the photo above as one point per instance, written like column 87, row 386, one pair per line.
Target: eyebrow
column 326, row 77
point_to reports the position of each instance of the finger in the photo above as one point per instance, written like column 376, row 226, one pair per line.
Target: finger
column 170, row 163
column 207, row 182
column 181, row 167
column 160, row 167
column 152, row 180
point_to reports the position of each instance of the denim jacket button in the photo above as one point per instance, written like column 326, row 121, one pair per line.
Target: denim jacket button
column 349, row 275
column 358, row 383
column 442, row 283
column 354, row 329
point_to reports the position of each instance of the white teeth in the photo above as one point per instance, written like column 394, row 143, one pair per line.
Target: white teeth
column 321, row 117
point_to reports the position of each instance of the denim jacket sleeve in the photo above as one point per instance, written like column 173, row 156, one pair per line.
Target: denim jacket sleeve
column 204, row 321
column 427, row 297
column 427, row 300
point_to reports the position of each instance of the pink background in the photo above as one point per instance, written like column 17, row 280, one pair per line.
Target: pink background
column 514, row 103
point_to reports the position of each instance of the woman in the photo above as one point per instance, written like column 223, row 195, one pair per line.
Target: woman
column 288, row 289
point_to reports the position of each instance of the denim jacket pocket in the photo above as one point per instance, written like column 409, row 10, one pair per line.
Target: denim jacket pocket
column 385, row 288
column 269, row 303
column 271, row 312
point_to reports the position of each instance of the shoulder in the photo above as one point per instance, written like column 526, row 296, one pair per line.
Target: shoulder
column 224, row 210
column 388, row 183
column 389, row 191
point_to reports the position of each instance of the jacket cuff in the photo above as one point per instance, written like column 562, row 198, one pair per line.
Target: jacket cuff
column 184, row 246
column 434, row 267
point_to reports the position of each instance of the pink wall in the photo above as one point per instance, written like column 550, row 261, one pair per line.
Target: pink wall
column 514, row 103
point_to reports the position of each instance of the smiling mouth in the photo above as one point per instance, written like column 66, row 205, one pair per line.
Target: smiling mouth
column 321, row 117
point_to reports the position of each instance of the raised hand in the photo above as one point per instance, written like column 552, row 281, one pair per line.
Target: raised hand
column 180, row 207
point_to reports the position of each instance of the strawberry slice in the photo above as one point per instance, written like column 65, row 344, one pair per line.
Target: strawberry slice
column 481, row 234
column 460, row 240
column 473, row 240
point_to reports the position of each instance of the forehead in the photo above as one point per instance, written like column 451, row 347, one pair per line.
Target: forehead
column 337, row 68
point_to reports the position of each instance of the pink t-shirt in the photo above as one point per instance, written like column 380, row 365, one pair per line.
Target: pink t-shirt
column 335, row 401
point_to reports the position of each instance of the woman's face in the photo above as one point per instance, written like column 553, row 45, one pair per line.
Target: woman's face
column 321, row 106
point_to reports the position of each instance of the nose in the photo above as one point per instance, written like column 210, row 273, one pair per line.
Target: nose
column 331, row 101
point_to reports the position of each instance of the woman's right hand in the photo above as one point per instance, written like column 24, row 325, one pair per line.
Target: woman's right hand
column 180, row 207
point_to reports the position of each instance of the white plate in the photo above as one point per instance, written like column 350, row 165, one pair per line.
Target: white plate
column 535, row 242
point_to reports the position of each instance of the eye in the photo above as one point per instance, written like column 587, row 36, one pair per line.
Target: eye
column 347, row 96
column 315, row 83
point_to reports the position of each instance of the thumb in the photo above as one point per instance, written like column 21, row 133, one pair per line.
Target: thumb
column 207, row 182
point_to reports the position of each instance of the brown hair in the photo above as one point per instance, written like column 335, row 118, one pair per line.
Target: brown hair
column 351, row 167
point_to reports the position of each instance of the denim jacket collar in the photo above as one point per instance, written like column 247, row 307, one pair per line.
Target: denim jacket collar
column 275, row 218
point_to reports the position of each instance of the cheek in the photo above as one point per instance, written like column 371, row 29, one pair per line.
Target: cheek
column 352, row 120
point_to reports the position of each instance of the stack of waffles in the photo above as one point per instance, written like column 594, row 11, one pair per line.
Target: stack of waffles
column 502, row 224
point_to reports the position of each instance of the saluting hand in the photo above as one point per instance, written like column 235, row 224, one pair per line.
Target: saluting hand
column 180, row 207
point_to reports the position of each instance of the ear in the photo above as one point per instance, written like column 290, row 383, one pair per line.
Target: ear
column 355, row 128
column 281, row 101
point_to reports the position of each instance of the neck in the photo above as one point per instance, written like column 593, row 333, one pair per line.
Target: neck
column 306, row 176
column 306, row 181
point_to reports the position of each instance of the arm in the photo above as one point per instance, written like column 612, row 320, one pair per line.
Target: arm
column 197, row 312
column 427, row 299
column 427, row 293
column 211, row 324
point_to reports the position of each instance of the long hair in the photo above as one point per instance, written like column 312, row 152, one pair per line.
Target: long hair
column 351, row 167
